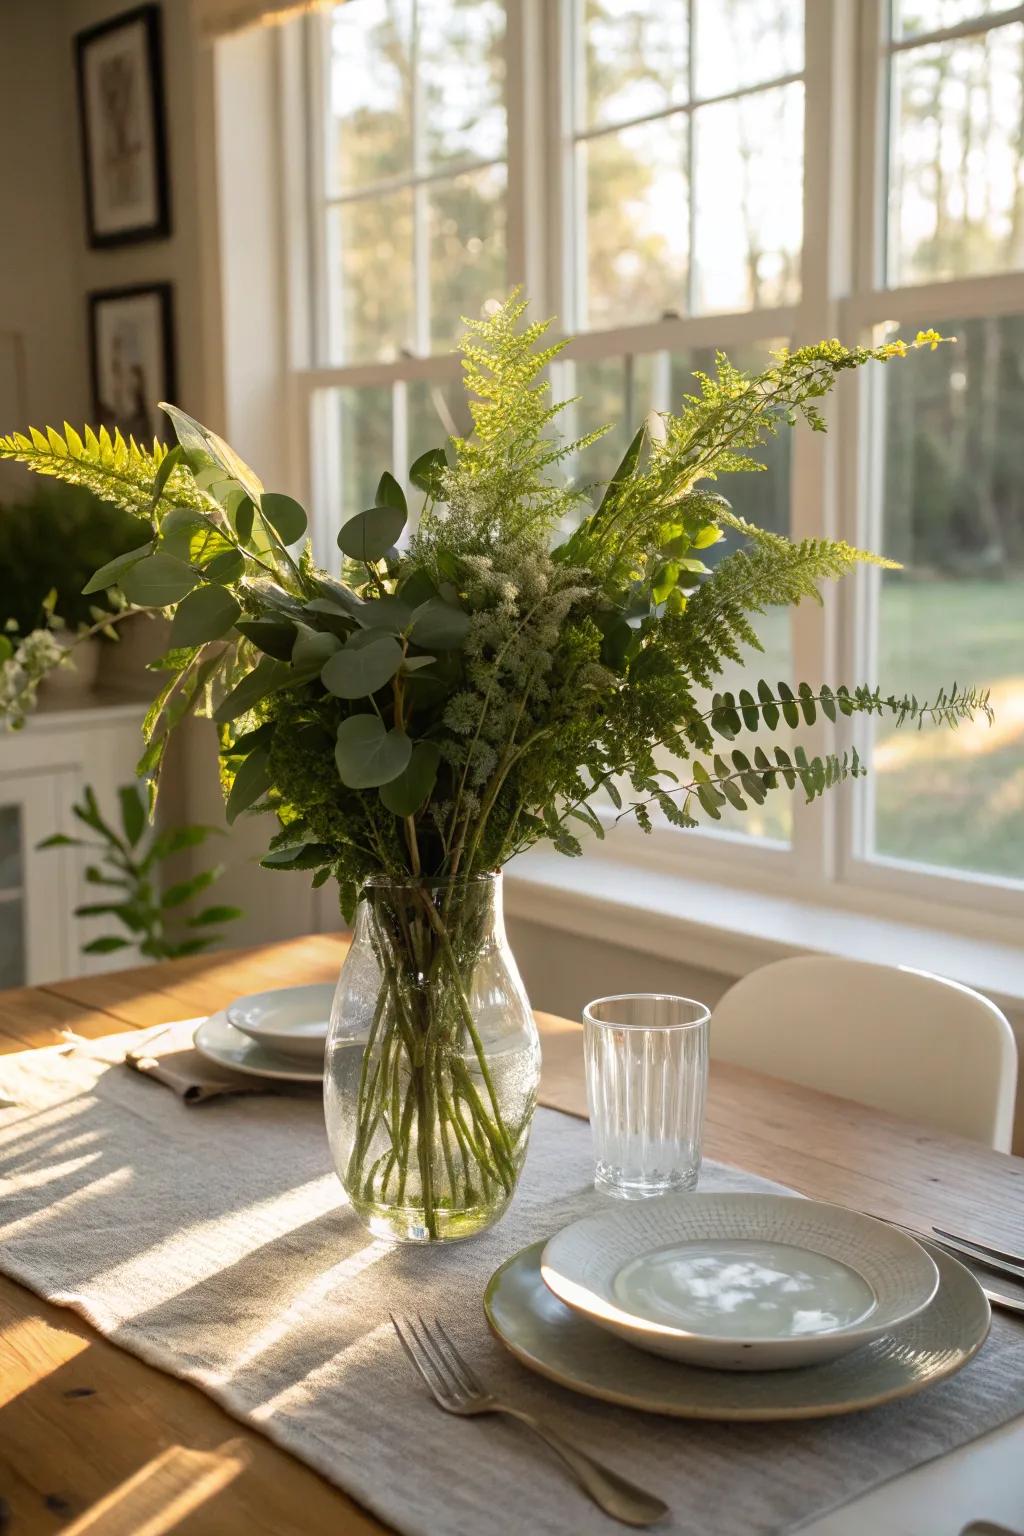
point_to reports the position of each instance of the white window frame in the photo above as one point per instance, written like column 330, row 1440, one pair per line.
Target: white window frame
column 842, row 294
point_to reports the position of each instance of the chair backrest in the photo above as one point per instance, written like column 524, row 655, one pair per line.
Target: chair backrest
column 897, row 1039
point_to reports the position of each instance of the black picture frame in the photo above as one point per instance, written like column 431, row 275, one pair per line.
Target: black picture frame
column 121, row 97
column 138, row 323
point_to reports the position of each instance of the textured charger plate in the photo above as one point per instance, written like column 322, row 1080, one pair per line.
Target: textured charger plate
column 741, row 1281
column 222, row 1043
column 557, row 1343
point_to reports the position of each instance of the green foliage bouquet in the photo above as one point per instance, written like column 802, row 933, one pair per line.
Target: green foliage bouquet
column 472, row 685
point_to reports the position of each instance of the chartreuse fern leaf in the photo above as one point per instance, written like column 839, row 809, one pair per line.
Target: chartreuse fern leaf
column 115, row 468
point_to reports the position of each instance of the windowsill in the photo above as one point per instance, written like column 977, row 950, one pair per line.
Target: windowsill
column 733, row 929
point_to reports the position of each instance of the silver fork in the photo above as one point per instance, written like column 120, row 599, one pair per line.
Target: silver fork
column 456, row 1388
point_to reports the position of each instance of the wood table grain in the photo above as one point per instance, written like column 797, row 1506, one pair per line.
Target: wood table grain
column 95, row 1443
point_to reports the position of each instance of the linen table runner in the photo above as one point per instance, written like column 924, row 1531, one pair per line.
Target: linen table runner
column 215, row 1244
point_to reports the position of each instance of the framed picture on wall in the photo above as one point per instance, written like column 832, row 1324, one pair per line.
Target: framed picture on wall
column 124, row 139
column 131, row 349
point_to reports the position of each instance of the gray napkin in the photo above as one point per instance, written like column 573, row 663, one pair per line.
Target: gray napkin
column 167, row 1055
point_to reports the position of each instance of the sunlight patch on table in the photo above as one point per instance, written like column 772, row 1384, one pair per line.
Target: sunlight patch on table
column 309, row 1298
column 107, row 1185
column 197, row 1252
column 21, row 1344
column 164, row 1492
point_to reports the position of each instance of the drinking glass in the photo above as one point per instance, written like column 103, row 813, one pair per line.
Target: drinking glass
column 647, row 1076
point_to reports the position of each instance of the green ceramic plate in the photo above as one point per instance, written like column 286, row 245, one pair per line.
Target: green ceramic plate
column 546, row 1336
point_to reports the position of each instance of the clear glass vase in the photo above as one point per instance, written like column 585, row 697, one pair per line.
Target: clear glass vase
column 433, row 1061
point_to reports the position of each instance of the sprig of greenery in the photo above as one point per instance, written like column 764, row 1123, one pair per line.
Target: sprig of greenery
column 128, row 862
column 116, row 469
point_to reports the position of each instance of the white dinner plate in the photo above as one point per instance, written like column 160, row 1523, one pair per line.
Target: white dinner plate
column 563, row 1346
column 220, row 1042
column 292, row 1020
column 740, row 1281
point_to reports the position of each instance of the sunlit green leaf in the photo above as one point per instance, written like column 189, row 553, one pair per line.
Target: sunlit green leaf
column 250, row 782
column 157, row 581
column 369, row 535
column 390, row 494
column 427, row 472
column 285, row 516
column 110, row 575
column 205, row 614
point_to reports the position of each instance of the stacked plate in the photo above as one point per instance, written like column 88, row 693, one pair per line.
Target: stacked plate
column 738, row 1306
column 280, row 1034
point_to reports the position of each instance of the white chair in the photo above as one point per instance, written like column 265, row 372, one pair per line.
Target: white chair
column 897, row 1039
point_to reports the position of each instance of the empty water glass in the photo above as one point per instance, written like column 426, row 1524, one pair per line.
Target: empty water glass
column 647, row 1077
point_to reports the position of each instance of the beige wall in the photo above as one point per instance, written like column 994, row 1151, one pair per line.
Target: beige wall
column 42, row 320
column 46, row 267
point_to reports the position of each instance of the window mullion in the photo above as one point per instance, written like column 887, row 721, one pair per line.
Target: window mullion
column 691, row 159
column 816, row 509
column 528, row 116
column 420, row 206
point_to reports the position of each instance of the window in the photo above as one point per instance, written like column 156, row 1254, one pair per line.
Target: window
column 672, row 176
column 413, row 173
column 942, row 472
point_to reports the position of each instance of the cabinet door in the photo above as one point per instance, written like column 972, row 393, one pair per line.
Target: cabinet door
column 35, row 924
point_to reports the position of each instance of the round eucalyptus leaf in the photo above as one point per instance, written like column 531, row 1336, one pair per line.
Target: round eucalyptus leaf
column 284, row 515
column 404, row 795
column 157, row 581
column 242, row 516
column 426, row 472
column 225, row 567
column 386, row 613
column 313, row 646
column 390, row 494
column 356, row 671
column 205, row 614
column 439, row 624
column 369, row 755
column 274, row 637
column 110, row 574
column 369, row 535
column 179, row 527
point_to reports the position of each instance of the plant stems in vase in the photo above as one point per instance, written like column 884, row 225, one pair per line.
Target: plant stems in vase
column 432, row 1060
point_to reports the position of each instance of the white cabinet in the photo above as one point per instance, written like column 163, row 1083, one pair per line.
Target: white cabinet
column 43, row 770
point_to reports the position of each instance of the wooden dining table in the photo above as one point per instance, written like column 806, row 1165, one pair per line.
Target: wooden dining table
column 97, row 1443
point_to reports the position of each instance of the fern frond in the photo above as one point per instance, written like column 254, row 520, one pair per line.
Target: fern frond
column 115, row 469
column 500, row 479
column 714, row 626
column 737, row 781
column 731, row 713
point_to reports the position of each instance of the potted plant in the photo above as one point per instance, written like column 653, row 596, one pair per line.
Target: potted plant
column 50, row 544
column 465, row 687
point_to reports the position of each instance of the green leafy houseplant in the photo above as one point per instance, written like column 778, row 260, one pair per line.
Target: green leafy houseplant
column 50, row 545
column 127, row 868
column 451, row 700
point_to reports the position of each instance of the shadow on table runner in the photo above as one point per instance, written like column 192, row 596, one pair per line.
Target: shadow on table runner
column 215, row 1244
